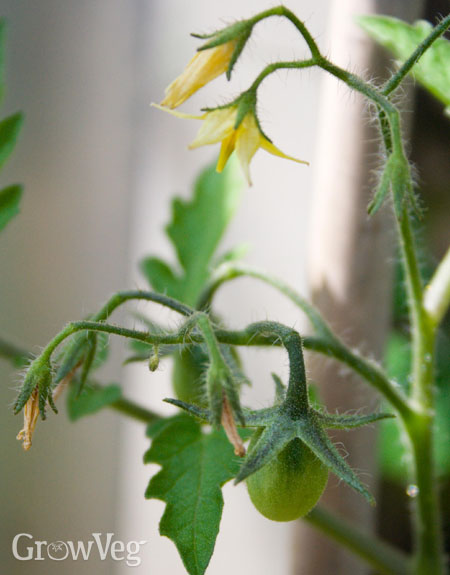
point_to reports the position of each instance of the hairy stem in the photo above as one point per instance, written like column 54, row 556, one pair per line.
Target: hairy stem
column 286, row 13
column 418, row 423
column 395, row 80
column 121, row 297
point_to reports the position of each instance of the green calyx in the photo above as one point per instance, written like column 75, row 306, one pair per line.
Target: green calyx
column 39, row 376
column 238, row 33
column 246, row 104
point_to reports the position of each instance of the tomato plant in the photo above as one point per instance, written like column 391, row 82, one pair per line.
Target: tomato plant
column 290, row 454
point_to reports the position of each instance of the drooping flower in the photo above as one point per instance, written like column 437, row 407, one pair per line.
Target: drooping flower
column 204, row 67
column 31, row 414
column 244, row 136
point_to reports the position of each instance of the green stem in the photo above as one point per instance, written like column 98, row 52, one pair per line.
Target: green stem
column 428, row 535
column 394, row 81
column 121, row 297
column 113, row 303
column 212, row 344
column 376, row 553
column 297, row 392
column 271, row 68
column 423, row 340
column 418, row 423
column 286, row 13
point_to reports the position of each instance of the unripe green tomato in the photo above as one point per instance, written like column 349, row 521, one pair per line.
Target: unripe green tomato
column 290, row 485
column 188, row 375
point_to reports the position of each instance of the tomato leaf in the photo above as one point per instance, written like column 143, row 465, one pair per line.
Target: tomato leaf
column 91, row 399
column 9, row 131
column 195, row 231
column 195, row 465
column 401, row 39
column 9, row 203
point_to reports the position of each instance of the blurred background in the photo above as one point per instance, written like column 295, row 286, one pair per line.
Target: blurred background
column 100, row 168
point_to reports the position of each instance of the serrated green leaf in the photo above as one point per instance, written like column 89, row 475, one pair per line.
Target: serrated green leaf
column 158, row 426
column 401, row 39
column 9, row 131
column 91, row 399
column 195, row 465
column 9, row 203
column 195, row 230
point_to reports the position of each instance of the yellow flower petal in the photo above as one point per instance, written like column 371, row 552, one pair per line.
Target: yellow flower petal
column 248, row 142
column 217, row 126
column 269, row 147
column 204, row 67
column 226, row 149
column 178, row 114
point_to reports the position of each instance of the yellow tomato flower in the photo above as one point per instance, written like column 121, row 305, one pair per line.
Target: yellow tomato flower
column 204, row 67
column 246, row 139
column 219, row 126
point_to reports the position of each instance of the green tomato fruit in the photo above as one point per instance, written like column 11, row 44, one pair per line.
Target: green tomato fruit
column 290, row 485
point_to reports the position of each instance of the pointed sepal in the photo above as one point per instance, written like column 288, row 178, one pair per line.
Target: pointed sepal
column 271, row 442
column 345, row 421
column 198, row 412
column 311, row 432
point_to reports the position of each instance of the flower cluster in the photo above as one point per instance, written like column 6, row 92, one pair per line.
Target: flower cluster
column 235, row 125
